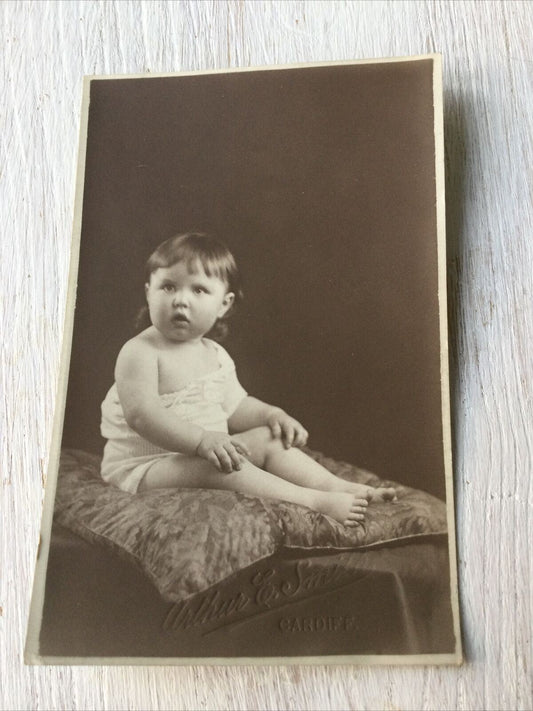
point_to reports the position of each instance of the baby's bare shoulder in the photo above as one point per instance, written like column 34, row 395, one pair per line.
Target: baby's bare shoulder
column 138, row 351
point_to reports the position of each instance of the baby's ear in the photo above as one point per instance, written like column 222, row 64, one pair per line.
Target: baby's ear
column 146, row 287
column 227, row 303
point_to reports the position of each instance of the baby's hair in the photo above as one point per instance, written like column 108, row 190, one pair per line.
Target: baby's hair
column 193, row 248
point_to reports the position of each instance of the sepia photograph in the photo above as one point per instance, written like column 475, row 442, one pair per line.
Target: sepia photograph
column 251, row 459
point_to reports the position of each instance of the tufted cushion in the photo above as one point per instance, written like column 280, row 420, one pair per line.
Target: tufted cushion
column 187, row 540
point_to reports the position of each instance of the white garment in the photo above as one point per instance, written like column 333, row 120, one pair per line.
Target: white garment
column 207, row 401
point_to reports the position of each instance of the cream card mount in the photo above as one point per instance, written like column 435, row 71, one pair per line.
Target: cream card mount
column 325, row 184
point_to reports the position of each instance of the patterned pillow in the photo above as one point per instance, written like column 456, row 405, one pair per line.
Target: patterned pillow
column 187, row 540
column 416, row 513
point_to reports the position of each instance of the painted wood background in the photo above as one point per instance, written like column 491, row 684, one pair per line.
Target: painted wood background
column 488, row 84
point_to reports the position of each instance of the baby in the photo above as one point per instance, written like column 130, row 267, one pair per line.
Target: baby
column 177, row 415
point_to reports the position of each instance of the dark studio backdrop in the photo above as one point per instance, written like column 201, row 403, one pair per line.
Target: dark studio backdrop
column 321, row 181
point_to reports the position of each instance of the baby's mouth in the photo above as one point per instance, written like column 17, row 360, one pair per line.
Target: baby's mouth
column 180, row 318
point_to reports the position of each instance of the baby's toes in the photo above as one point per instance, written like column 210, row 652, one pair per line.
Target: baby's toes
column 360, row 510
column 356, row 513
column 351, row 521
column 362, row 503
column 389, row 494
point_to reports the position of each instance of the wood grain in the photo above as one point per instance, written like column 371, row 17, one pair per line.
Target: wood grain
column 488, row 78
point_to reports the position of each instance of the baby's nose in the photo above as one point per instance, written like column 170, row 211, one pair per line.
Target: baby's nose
column 180, row 297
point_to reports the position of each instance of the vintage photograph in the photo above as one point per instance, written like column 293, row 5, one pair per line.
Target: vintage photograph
column 252, row 458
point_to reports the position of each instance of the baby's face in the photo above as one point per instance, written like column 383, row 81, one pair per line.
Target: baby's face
column 184, row 303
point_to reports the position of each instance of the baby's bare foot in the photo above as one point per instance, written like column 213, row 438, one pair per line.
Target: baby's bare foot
column 343, row 507
column 382, row 493
column 371, row 494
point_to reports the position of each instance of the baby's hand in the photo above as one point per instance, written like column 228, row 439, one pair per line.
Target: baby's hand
column 290, row 430
column 225, row 453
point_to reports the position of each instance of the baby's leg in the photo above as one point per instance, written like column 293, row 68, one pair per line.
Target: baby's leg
column 295, row 466
column 196, row 473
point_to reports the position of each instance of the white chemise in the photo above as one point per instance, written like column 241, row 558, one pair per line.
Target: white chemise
column 207, row 401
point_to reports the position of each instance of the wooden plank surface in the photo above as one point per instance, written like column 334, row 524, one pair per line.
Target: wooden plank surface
column 488, row 84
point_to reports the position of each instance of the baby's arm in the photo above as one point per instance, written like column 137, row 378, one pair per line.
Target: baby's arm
column 252, row 412
column 137, row 377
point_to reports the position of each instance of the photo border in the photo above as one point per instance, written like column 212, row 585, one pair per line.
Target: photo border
column 31, row 654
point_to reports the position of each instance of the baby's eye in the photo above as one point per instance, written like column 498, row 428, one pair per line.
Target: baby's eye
column 200, row 290
column 168, row 288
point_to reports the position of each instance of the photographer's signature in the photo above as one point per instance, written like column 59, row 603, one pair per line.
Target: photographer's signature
column 267, row 591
